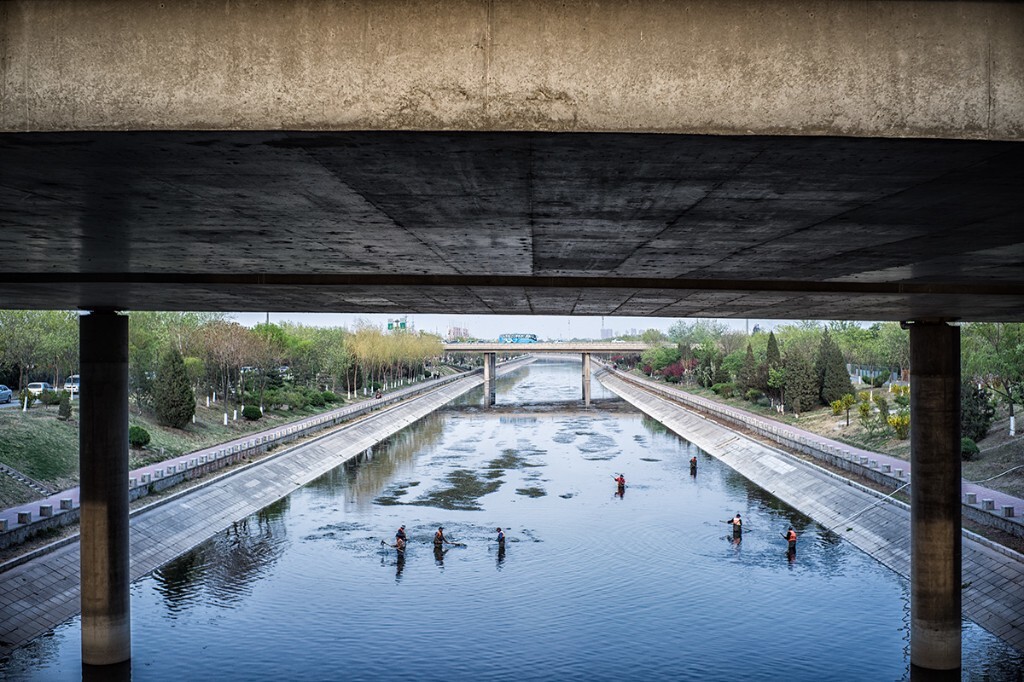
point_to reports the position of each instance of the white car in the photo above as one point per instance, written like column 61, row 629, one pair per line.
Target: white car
column 73, row 384
column 37, row 387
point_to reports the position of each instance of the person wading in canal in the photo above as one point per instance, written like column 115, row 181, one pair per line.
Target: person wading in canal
column 501, row 537
column 737, row 524
column 693, row 466
column 440, row 539
column 400, row 534
column 790, row 536
column 620, row 482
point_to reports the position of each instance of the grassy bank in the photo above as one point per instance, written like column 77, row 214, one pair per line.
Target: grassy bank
column 45, row 448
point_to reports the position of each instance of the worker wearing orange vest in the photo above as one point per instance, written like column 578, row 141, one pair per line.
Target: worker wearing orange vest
column 790, row 536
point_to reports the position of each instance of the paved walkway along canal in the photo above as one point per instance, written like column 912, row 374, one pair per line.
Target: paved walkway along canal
column 992, row 596
column 41, row 593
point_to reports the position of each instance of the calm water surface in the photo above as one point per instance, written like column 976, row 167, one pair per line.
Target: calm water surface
column 648, row 586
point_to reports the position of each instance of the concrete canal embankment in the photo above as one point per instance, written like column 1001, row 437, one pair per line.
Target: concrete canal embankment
column 38, row 594
column 880, row 526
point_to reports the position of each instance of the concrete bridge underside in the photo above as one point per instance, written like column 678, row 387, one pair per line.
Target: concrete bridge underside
column 806, row 159
column 514, row 223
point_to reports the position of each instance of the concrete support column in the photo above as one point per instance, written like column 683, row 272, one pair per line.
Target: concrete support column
column 490, row 374
column 103, row 459
column 586, row 379
column 935, row 562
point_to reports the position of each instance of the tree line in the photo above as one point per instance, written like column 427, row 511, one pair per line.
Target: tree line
column 269, row 364
column 809, row 364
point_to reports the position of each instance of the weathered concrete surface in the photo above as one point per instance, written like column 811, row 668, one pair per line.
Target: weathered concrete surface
column 41, row 593
column 514, row 223
column 811, row 67
column 992, row 597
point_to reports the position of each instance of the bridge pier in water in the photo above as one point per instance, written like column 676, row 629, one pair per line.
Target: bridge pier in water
column 490, row 374
column 935, row 515
column 586, row 379
column 103, row 464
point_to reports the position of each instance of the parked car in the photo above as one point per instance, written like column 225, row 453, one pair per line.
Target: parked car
column 37, row 387
column 73, row 384
column 6, row 394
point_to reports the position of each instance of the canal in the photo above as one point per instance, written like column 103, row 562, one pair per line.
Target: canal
column 591, row 585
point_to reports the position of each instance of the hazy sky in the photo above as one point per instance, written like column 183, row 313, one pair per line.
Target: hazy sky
column 490, row 326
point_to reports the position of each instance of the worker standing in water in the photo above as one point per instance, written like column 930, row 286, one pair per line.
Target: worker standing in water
column 693, row 466
column 737, row 524
column 790, row 536
column 620, row 483
column 439, row 538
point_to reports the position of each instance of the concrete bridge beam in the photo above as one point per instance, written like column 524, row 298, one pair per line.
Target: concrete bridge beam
column 936, row 545
column 807, row 67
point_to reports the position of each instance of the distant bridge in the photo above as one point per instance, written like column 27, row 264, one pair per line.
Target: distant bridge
column 558, row 347
column 584, row 348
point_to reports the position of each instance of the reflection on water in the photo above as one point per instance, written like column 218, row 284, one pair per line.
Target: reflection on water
column 222, row 570
column 646, row 585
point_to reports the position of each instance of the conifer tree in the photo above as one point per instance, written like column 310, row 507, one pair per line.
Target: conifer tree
column 801, row 383
column 175, row 401
column 772, row 361
column 832, row 376
column 747, row 378
column 976, row 411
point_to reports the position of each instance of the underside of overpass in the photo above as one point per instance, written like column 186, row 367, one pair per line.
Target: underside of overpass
column 805, row 159
column 514, row 223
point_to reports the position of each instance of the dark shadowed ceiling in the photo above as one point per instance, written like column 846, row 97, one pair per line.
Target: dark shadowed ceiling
column 514, row 223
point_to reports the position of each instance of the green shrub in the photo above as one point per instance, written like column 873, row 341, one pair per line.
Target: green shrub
column 864, row 397
column 753, row 395
column 49, row 398
column 879, row 380
column 883, row 406
column 64, row 411
column 296, row 400
column 23, row 396
column 900, row 423
column 837, row 407
column 968, row 449
column 138, row 437
column 272, row 397
column 251, row 412
column 330, row 397
column 724, row 389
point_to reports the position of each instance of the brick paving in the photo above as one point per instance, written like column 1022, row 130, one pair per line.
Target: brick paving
column 994, row 594
column 40, row 593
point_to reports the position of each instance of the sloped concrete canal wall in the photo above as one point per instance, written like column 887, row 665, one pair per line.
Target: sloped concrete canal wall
column 992, row 598
column 39, row 594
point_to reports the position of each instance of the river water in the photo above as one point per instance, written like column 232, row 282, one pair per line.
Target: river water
column 651, row 585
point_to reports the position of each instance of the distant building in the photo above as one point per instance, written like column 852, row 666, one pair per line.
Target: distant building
column 607, row 334
column 455, row 333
